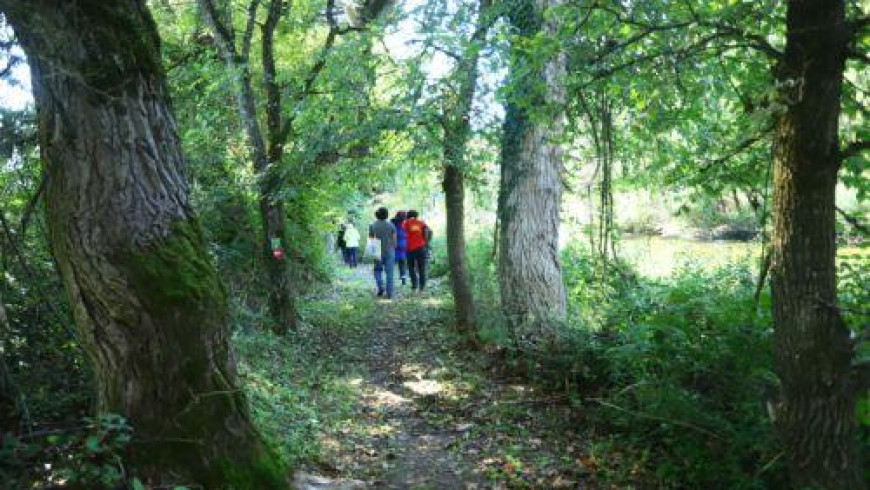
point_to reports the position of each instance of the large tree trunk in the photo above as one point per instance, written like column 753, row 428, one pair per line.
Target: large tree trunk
column 149, row 306
column 530, row 274
column 812, row 347
column 457, row 130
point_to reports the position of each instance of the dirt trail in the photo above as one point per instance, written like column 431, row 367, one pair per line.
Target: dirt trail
column 399, row 391
column 430, row 417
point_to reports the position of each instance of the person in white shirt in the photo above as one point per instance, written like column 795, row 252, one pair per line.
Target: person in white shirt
column 351, row 239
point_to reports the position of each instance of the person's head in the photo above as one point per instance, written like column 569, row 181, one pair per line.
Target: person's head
column 382, row 213
column 400, row 216
column 413, row 214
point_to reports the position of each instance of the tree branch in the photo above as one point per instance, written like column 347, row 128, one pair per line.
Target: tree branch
column 249, row 28
column 316, row 69
column 31, row 205
column 853, row 220
column 224, row 34
column 743, row 146
column 270, row 84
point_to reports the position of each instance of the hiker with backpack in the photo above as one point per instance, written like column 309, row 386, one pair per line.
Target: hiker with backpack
column 419, row 236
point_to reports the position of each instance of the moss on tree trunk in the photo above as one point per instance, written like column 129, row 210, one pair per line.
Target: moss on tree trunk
column 149, row 306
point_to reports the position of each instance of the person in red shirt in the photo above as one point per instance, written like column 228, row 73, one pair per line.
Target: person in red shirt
column 419, row 235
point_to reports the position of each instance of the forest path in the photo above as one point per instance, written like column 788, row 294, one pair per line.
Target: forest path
column 430, row 415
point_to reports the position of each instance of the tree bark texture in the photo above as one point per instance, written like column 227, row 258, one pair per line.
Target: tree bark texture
column 812, row 347
column 530, row 274
column 149, row 306
column 457, row 131
column 460, row 279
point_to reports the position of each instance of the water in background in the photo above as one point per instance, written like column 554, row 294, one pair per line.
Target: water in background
column 655, row 256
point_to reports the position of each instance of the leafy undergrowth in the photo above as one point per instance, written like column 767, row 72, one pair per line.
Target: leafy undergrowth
column 671, row 374
column 294, row 383
column 383, row 393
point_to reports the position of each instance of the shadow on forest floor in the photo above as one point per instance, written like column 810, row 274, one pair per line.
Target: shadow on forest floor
column 423, row 413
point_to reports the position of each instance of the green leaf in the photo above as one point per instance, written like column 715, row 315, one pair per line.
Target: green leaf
column 93, row 444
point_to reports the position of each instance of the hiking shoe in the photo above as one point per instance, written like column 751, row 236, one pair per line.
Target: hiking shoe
column 380, row 292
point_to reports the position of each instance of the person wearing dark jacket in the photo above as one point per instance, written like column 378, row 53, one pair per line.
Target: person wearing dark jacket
column 401, row 246
column 342, row 244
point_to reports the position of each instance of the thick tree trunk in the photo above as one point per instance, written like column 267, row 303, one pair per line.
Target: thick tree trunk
column 150, row 308
column 530, row 274
column 812, row 348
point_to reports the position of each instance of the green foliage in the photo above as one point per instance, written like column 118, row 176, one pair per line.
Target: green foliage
column 44, row 377
column 288, row 379
column 675, row 370
column 438, row 265
column 85, row 456
column 686, row 364
column 708, row 213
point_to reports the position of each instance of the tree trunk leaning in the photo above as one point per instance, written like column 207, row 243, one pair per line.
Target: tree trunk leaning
column 149, row 306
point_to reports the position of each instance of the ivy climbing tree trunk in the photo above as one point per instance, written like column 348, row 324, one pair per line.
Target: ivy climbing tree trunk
column 457, row 130
column 812, row 348
column 150, row 308
column 530, row 190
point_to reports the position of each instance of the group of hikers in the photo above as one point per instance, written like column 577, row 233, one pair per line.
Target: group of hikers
column 402, row 242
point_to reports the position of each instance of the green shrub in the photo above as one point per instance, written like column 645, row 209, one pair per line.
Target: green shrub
column 88, row 455
column 438, row 265
column 689, row 369
column 674, row 371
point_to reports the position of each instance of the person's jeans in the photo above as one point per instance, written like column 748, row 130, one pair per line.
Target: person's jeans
column 386, row 264
column 417, row 268
column 403, row 269
column 351, row 256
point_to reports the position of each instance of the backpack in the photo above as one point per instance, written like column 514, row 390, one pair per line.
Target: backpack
column 340, row 239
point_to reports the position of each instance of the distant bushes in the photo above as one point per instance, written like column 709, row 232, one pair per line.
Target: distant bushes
column 701, row 217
